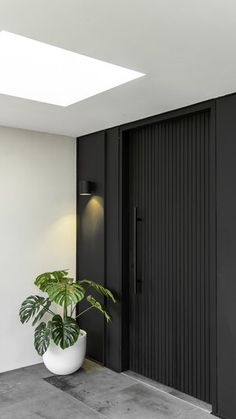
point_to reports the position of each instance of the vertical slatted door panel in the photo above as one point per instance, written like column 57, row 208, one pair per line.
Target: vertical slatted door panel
column 170, row 314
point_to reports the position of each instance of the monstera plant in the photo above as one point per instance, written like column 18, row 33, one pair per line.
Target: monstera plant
column 61, row 329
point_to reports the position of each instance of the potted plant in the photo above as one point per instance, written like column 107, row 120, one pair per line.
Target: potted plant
column 58, row 337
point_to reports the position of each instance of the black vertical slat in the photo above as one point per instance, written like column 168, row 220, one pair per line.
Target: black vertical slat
column 160, row 269
column 214, row 231
column 198, row 266
column 141, row 248
column 169, row 180
column 202, row 257
column 174, row 247
column 185, row 259
column 159, row 273
column 207, row 256
column 158, row 244
column 170, row 253
column 151, row 255
column 189, row 252
column 165, row 259
column 131, row 171
column 178, row 302
column 196, row 297
column 194, row 258
column 147, row 245
column 181, row 261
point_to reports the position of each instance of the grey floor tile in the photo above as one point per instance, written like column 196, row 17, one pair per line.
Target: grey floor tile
column 37, row 370
column 34, row 371
column 88, row 383
column 12, row 376
column 166, row 389
column 56, row 406
column 139, row 401
column 22, row 389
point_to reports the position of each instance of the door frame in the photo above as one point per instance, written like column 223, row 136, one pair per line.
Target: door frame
column 124, row 239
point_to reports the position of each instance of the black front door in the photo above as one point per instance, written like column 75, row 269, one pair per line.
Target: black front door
column 170, row 222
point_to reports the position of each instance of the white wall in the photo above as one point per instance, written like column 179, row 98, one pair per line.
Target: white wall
column 37, row 228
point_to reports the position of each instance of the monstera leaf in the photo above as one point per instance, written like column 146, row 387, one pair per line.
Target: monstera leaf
column 65, row 332
column 96, row 304
column 47, row 279
column 42, row 337
column 98, row 287
column 31, row 306
column 65, row 294
column 45, row 308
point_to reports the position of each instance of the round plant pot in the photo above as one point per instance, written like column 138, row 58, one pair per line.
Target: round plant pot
column 66, row 361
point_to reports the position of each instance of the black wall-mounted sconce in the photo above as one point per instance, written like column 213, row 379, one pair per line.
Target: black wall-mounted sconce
column 85, row 187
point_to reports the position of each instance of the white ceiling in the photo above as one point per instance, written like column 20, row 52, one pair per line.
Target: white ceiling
column 187, row 48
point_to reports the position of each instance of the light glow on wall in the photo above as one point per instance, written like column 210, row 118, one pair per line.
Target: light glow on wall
column 93, row 217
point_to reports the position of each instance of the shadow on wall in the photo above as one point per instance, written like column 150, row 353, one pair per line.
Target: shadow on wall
column 92, row 220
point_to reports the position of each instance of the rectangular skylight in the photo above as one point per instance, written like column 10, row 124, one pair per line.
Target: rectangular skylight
column 37, row 71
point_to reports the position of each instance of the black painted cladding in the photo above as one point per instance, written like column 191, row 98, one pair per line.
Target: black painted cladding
column 170, row 318
column 91, row 232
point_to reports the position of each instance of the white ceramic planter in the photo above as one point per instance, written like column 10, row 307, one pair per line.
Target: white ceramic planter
column 66, row 361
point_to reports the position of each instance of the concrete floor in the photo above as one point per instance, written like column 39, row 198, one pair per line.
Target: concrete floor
column 92, row 393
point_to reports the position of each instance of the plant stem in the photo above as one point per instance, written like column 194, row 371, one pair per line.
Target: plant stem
column 50, row 312
column 65, row 307
column 64, row 312
column 84, row 311
column 72, row 311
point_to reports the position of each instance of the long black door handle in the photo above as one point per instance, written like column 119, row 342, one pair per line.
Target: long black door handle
column 135, row 244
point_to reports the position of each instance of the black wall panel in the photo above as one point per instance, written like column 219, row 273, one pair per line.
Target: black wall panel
column 113, row 267
column 91, row 231
column 226, row 256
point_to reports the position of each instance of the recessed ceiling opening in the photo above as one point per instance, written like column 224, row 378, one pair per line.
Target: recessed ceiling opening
column 41, row 72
